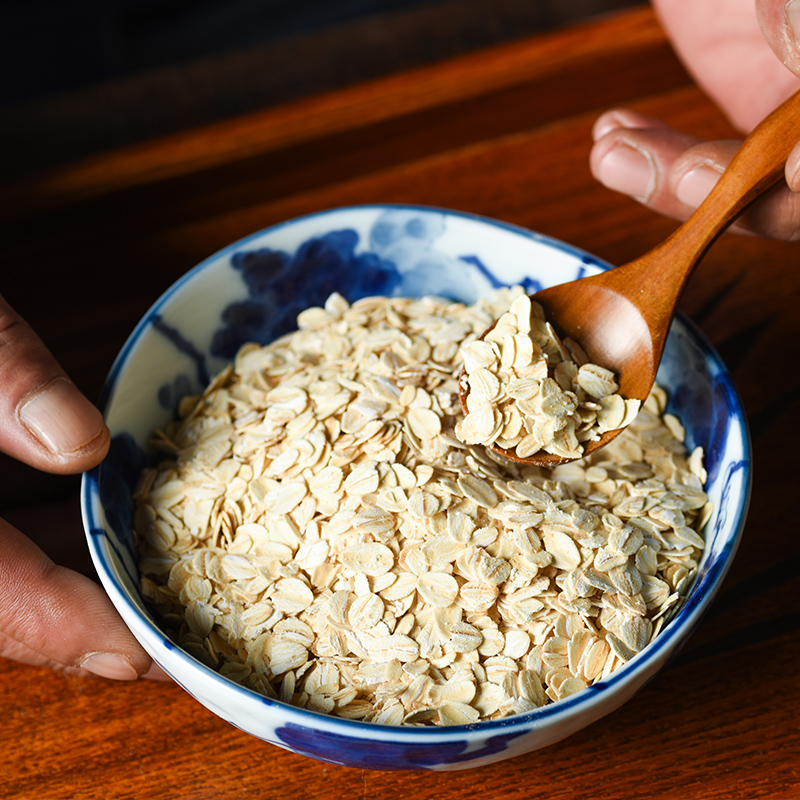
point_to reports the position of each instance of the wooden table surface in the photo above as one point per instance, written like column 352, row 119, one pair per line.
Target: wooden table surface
column 87, row 247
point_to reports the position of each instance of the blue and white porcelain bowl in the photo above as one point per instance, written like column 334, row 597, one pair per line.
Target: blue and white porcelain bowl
column 252, row 290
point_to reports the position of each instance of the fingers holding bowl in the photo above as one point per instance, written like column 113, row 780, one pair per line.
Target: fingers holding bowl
column 54, row 617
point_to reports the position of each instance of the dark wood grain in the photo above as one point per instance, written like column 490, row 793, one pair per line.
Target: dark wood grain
column 504, row 133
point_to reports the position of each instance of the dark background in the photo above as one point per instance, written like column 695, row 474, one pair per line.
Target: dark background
column 83, row 76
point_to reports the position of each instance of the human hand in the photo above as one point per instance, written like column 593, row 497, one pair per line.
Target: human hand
column 746, row 57
column 50, row 615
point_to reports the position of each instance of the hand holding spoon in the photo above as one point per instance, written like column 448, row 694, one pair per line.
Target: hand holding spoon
column 621, row 317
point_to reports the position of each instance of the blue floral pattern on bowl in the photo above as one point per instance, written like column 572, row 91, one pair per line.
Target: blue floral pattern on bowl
column 252, row 291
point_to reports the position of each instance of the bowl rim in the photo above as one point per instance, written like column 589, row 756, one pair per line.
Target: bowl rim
column 682, row 623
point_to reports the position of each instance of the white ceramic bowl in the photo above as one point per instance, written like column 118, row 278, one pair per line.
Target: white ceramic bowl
column 252, row 290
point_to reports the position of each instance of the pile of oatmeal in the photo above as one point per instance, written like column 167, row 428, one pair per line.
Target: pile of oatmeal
column 529, row 391
column 318, row 533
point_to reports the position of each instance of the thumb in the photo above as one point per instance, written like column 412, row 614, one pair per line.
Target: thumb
column 45, row 421
column 780, row 24
column 51, row 616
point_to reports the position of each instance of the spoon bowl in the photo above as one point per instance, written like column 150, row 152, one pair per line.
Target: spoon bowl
column 621, row 317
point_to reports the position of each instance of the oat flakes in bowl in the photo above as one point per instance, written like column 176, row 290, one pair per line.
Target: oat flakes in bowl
column 319, row 535
column 254, row 289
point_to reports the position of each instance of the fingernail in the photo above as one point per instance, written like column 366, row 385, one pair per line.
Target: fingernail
column 696, row 184
column 628, row 170
column 110, row 665
column 793, row 174
column 791, row 13
column 605, row 124
column 61, row 418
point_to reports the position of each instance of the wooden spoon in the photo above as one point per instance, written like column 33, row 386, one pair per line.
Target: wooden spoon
column 621, row 317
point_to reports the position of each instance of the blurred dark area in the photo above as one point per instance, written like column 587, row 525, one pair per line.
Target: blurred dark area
column 54, row 46
column 84, row 76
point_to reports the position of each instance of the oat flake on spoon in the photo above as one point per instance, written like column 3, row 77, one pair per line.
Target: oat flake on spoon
column 527, row 391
